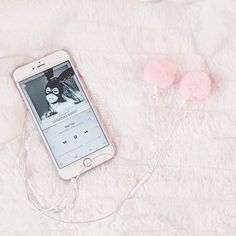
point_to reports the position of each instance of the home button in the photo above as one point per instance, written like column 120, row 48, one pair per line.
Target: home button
column 87, row 162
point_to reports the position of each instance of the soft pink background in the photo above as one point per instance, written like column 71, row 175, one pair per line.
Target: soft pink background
column 193, row 190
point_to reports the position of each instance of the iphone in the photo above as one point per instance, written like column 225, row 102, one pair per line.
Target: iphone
column 65, row 116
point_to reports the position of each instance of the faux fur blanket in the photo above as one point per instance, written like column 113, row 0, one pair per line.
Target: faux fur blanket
column 193, row 190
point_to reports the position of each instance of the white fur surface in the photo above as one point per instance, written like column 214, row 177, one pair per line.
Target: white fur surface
column 193, row 191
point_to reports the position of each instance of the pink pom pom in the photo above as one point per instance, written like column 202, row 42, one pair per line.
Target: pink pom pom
column 195, row 86
column 160, row 72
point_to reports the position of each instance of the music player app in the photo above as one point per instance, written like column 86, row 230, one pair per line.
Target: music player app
column 64, row 114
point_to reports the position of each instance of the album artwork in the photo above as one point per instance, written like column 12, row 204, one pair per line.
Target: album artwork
column 54, row 91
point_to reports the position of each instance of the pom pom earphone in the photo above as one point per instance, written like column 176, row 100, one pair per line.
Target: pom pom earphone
column 193, row 86
column 162, row 73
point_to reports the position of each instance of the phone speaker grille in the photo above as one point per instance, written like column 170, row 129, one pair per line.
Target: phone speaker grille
column 41, row 65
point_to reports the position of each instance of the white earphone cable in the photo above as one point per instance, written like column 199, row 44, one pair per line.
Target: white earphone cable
column 129, row 195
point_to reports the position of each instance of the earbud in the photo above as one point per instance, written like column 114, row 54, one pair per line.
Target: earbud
column 195, row 86
column 162, row 73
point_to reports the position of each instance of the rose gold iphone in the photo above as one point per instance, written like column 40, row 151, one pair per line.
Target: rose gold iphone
column 64, row 114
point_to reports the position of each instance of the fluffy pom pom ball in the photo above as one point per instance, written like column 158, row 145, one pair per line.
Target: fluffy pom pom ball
column 195, row 86
column 160, row 72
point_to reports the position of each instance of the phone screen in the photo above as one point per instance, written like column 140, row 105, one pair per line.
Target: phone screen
column 64, row 114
